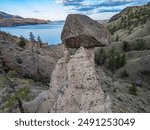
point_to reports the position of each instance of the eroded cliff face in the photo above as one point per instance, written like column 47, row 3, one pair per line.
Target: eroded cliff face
column 74, row 87
column 80, row 91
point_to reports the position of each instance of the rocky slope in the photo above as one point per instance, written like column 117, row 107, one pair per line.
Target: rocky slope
column 5, row 15
column 130, row 17
column 24, row 67
column 43, row 57
column 125, row 89
column 74, row 86
column 132, row 40
column 7, row 20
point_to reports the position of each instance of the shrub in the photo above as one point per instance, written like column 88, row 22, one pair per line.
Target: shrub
column 126, row 46
column 116, row 61
column 124, row 74
column 11, row 100
column 117, row 38
column 22, row 42
column 112, row 63
column 122, row 60
column 140, row 45
column 100, row 58
column 145, row 72
column 133, row 90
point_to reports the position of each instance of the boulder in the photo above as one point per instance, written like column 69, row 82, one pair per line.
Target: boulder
column 80, row 30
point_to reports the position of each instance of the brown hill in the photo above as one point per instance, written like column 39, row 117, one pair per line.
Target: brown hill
column 7, row 20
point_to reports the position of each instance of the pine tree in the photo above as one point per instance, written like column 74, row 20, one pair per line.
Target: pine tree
column 123, row 60
column 126, row 46
column 32, row 37
column 111, row 65
column 39, row 41
column 117, row 37
column 117, row 61
column 22, row 42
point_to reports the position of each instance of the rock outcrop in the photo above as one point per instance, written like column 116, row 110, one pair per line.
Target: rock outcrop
column 24, row 62
column 74, row 86
column 80, row 30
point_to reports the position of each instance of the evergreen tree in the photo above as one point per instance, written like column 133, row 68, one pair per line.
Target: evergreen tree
column 140, row 45
column 39, row 40
column 32, row 37
column 22, row 42
column 100, row 58
column 111, row 65
column 117, row 37
column 117, row 61
column 126, row 46
column 133, row 90
column 123, row 60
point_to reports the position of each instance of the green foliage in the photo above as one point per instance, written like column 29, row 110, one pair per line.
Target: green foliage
column 140, row 45
column 100, row 58
column 2, row 82
column 124, row 74
column 133, row 90
column 22, row 93
column 122, row 60
column 32, row 37
column 112, row 63
column 145, row 72
column 112, row 29
column 39, row 40
column 126, row 46
column 22, row 42
column 132, row 17
column 11, row 100
column 117, row 38
column 116, row 60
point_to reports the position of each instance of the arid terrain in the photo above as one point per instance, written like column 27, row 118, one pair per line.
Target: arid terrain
column 30, row 70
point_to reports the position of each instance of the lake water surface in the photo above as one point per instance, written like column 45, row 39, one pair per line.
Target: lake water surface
column 48, row 32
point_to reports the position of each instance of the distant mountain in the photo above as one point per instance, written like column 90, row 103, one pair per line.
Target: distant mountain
column 103, row 21
column 5, row 15
column 8, row 20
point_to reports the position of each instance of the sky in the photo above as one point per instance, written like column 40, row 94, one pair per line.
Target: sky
column 59, row 9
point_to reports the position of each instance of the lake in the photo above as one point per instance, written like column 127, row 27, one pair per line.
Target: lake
column 50, row 33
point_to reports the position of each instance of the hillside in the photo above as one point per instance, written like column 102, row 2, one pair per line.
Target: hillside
column 5, row 15
column 8, row 20
column 130, row 17
column 122, row 69
column 130, row 38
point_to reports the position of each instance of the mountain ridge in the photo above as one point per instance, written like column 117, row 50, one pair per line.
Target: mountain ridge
column 8, row 20
column 6, row 15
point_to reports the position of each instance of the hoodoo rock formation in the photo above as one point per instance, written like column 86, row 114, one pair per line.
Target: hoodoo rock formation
column 80, row 30
column 74, row 86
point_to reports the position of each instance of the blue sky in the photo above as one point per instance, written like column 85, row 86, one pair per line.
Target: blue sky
column 59, row 9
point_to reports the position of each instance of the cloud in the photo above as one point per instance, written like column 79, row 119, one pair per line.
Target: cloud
column 89, row 7
column 112, row 3
column 70, row 2
column 36, row 11
column 108, row 10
